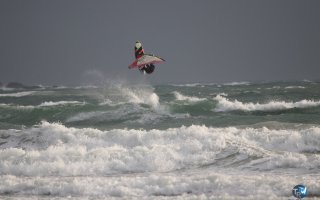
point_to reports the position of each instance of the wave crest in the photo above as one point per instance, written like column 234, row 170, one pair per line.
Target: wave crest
column 17, row 94
column 224, row 104
column 181, row 97
column 44, row 104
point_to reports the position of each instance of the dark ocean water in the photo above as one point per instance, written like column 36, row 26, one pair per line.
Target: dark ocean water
column 189, row 141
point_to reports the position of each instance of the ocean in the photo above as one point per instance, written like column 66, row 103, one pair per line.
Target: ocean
column 238, row 140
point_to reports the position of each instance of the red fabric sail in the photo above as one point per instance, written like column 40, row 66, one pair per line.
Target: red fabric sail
column 146, row 59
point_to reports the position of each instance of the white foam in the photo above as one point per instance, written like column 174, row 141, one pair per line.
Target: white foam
column 17, row 94
column 142, row 94
column 208, row 184
column 54, row 149
column 237, row 83
column 295, row 87
column 188, row 85
column 16, row 106
column 106, row 101
column 138, row 96
column 44, row 104
column 274, row 87
column 181, row 97
column 58, row 103
column 86, row 87
column 52, row 159
column 119, row 93
column 225, row 104
column 133, row 101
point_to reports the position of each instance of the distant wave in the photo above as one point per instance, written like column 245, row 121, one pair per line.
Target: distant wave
column 237, row 83
column 224, row 104
column 210, row 84
column 60, row 87
column 86, row 87
column 273, row 88
column 58, row 103
column 181, row 97
column 295, row 87
column 4, row 105
column 187, row 85
column 44, row 104
column 17, row 94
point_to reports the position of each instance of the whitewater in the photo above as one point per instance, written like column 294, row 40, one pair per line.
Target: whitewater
column 237, row 140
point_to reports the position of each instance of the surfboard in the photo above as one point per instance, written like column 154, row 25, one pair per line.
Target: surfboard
column 146, row 59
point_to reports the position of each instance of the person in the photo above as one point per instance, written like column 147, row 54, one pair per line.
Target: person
column 149, row 68
column 139, row 51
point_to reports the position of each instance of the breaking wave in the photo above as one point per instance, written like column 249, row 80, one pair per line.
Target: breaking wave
column 54, row 149
column 237, row 83
column 17, row 94
column 207, row 185
column 181, row 97
column 54, row 160
column 188, row 85
column 224, row 104
column 58, row 103
column 295, row 87
column 142, row 94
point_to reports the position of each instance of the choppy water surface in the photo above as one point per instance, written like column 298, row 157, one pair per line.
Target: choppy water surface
column 191, row 141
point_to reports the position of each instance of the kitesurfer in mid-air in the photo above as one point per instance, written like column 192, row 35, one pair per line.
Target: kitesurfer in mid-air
column 144, row 62
column 139, row 51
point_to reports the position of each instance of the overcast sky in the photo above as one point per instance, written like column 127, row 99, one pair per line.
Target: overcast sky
column 66, row 42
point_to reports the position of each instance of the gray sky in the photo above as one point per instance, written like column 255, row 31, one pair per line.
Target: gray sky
column 66, row 42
